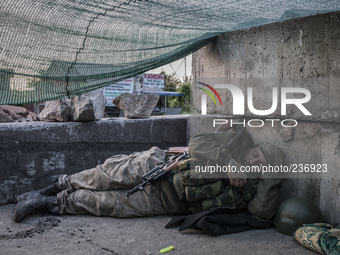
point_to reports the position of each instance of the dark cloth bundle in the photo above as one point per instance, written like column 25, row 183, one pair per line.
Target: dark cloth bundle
column 220, row 221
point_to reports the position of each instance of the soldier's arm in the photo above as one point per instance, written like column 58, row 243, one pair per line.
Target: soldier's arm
column 266, row 199
column 209, row 146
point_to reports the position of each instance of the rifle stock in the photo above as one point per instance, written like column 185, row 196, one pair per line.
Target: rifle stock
column 159, row 172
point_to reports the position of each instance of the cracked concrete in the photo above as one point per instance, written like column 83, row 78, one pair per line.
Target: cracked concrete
column 86, row 234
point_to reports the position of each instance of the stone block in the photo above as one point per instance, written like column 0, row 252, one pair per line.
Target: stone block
column 89, row 106
column 57, row 110
column 136, row 106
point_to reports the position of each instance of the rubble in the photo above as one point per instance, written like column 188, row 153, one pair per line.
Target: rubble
column 59, row 110
column 136, row 106
column 89, row 106
column 10, row 113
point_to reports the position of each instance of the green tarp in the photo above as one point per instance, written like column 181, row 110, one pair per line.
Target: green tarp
column 52, row 49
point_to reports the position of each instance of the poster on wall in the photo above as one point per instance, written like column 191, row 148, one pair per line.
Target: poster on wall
column 114, row 90
column 153, row 80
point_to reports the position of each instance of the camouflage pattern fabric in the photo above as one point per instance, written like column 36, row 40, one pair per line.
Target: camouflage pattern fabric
column 208, row 193
column 199, row 188
column 204, row 192
column 210, row 146
column 319, row 237
column 232, row 197
column 102, row 190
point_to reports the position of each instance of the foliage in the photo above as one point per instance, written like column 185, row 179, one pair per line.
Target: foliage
column 172, row 83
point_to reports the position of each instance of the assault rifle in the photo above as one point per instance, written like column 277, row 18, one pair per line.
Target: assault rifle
column 159, row 172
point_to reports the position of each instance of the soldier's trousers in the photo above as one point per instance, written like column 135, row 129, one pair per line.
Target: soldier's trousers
column 102, row 190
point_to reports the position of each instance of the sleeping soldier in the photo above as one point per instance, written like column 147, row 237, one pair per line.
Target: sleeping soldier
column 101, row 191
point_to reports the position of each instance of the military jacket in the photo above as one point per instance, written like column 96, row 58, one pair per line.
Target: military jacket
column 204, row 191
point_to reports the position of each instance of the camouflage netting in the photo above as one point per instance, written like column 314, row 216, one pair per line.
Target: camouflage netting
column 62, row 48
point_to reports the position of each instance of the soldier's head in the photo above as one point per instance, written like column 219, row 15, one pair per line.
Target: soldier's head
column 263, row 154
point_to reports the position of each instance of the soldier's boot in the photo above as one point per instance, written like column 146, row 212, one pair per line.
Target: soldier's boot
column 37, row 203
column 51, row 190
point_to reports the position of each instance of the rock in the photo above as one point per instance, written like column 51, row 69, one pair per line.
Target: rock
column 59, row 110
column 136, row 106
column 10, row 113
column 89, row 106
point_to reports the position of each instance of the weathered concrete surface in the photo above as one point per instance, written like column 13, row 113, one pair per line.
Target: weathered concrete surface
column 33, row 155
column 87, row 235
column 311, row 144
column 304, row 53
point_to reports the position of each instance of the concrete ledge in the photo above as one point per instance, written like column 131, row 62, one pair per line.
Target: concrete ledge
column 34, row 154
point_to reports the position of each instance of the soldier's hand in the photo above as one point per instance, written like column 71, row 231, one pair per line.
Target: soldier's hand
column 236, row 178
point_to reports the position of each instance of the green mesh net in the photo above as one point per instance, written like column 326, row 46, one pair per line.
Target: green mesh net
column 53, row 49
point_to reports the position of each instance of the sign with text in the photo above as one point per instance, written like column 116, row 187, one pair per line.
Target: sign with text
column 153, row 80
column 111, row 91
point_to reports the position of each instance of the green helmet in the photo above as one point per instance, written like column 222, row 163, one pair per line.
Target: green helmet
column 294, row 212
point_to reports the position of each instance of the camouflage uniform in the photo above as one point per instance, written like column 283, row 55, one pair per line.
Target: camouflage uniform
column 202, row 193
column 102, row 190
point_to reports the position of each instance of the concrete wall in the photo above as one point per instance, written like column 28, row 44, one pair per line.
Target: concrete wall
column 305, row 53
column 34, row 154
